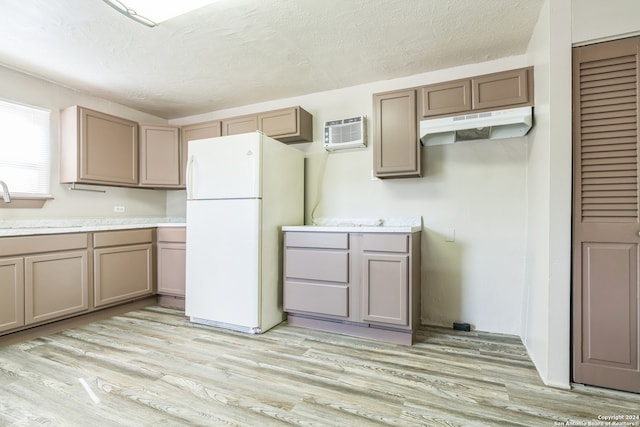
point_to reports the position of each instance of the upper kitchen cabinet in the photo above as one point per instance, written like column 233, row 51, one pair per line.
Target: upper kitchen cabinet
column 287, row 125
column 237, row 125
column 159, row 156
column 396, row 150
column 446, row 98
column 196, row 131
column 97, row 148
column 506, row 89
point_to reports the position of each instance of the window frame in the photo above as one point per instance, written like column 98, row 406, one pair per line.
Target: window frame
column 30, row 199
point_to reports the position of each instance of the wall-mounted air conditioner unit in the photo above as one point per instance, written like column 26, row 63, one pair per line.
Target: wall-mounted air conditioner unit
column 345, row 133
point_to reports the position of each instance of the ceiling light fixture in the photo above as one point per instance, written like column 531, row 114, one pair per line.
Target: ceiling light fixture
column 153, row 12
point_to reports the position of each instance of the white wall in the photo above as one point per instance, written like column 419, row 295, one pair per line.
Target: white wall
column 15, row 86
column 546, row 306
column 597, row 20
column 477, row 189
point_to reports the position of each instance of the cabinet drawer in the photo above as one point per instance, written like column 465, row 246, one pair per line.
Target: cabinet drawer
column 123, row 237
column 317, row 240
column 328, row 266
column 172, row 234
column 10, row 246
column 386, row 242
column 317, row 298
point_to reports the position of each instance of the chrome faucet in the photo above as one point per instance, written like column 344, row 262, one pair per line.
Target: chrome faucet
column 5, row 192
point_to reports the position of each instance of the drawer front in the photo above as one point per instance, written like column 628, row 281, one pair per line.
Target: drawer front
column 386, row 242
column 317, row 298
column 302, row 239
column 122, row 237
column 172, row 234
column 10, row 246
column 328, row 266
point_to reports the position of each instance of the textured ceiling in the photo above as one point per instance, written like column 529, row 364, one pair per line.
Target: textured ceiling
column 239, row 52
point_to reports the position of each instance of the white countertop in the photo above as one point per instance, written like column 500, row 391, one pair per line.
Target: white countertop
column 81, row 225
column 361, row 225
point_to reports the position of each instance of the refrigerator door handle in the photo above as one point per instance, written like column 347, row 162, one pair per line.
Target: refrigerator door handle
column 189, row 179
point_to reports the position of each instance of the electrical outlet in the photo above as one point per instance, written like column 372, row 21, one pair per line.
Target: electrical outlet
column 450, row 236
column 118, row 209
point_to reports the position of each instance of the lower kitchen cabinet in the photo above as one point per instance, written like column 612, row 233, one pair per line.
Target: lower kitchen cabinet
column 56, row 285
column 171, row 250
column 385, row 287
column 364, row 284
column 12, row 291
column 123, row 265
column 42, row 278
column 317, row 273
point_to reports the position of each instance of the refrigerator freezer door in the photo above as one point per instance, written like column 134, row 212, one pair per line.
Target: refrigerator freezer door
column 223, row 268
column 226, row 167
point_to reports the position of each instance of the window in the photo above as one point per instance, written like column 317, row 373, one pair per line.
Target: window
column 24, row 149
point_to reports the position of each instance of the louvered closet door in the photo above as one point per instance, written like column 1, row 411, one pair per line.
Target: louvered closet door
column 606, row 223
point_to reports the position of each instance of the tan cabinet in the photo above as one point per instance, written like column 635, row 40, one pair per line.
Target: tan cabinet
column 159, row 156
column 171, row 260
column 506, row 89
column 42, row 278
column 56, row 285
column 317, row 273
column 12, row 291
column 97, row 148
column 203, row 130
column 446, row 98
column 123, row 265
column 385, row 268
column 238, row 125
column 365, row 284
column 287, row 125
column 396, row 150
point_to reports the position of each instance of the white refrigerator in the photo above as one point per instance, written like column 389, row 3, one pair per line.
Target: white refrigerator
column 241, row 189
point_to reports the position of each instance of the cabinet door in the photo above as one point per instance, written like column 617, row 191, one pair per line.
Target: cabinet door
column 159, row 156
column 606, row 244
column 396, row 148
column 171, row 268
column 237, row 125
column 287, row 125
column 445, row 98
column 499, row 90
column 385, row 297
column 108, row 148
column 56, row 285
column 12, row 291
column 195, row 131
column 122, row 273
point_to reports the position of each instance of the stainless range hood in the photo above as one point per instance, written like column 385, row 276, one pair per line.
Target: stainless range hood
column 497, row 124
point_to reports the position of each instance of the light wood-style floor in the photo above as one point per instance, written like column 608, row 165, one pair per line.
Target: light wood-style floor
column 151, row 367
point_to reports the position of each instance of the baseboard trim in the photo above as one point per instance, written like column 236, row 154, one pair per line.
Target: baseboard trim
column 83, row 319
